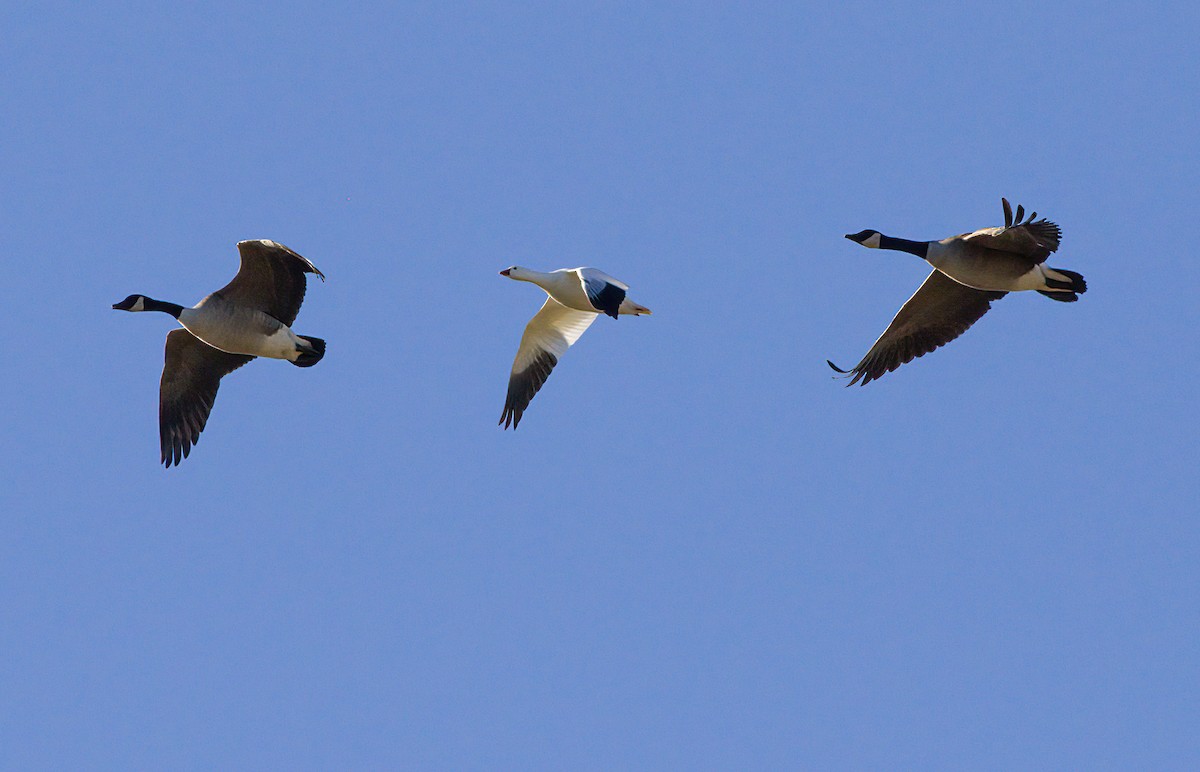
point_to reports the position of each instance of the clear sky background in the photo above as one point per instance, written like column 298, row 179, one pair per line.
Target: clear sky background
column 699, row 550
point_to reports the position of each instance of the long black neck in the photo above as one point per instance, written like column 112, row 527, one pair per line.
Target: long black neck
column 159, row 305
column 918, row 248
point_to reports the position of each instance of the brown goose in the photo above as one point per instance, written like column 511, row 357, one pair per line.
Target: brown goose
column 969, row 272
column 247, row 318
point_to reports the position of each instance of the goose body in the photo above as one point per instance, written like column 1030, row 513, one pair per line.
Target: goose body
column 577, row 297
column 249, row 317
column 970, row 271
column 240, row 329
column 582, row 289
column 1010, row 259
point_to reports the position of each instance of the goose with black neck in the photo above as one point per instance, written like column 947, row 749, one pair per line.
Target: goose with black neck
column 970, row 271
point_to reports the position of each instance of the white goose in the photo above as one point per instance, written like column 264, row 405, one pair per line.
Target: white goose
column 577, row 297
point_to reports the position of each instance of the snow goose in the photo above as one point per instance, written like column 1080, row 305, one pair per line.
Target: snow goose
column 969, row 272
column 247, row 318
column 577, row 296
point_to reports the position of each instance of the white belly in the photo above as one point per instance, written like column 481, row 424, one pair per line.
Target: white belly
column 237, row 335
column 568, row 290
column 280, row 345
column 1035, row 279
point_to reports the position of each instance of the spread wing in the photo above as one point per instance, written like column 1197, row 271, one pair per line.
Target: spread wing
column 548, row 335
column 603, row 291
column 271, row 280
column 937, row 313
column 1030, row 238
column 192, row 373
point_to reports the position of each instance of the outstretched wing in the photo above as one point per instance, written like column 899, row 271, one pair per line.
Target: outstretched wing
column 937, row 313
column 1034, row 239
column 271, row 280
column 547, row 337
column 192, row 373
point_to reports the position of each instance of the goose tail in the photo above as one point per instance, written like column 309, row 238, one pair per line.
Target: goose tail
column 634, row 309
column 312, row 353
column 1065, row 286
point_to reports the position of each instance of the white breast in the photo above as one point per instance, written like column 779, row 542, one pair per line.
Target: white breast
column 567, row 288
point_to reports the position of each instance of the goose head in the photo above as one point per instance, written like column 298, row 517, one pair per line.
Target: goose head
column 867, row 238
column 132, row 303
column 515, row 272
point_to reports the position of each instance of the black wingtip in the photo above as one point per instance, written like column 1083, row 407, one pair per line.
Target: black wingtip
column 836, row 368
column 510, row 419
column 1008, row 219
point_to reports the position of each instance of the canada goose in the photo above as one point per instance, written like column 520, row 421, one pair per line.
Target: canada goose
column 970, row 271
column 246, row 318
column 577, row 297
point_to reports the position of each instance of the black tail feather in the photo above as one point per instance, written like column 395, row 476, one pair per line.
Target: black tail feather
column 1074, row 283
column 310, row 358
column 1077, row 282
column 1061, row 297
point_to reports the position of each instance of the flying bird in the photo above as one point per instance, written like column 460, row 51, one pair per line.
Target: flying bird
column 969, row 272
column 577, row 296
column 247, row 318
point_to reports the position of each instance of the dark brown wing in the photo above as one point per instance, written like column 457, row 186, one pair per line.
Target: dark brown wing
column 191, row 375
column 937, row 313
column 271, row 279
column 1029, row 238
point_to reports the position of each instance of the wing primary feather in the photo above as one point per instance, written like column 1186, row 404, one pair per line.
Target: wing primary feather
column 937, row 313
column 1007, row 213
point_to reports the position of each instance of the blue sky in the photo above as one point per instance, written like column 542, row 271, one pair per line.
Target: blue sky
column 700, row 550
